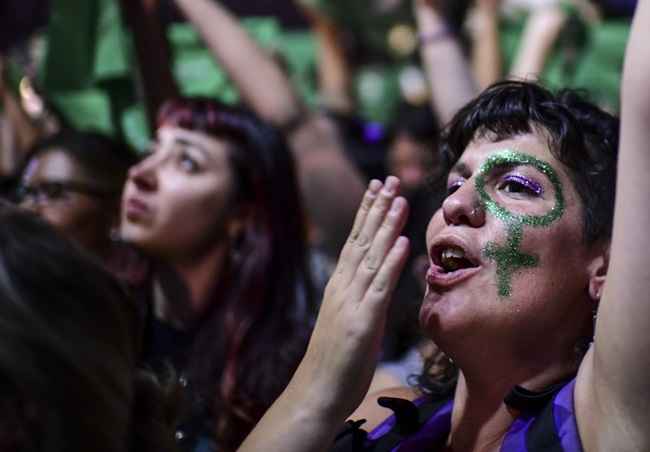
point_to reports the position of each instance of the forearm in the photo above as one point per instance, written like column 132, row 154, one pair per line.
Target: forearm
column 622, row 343
column 260, row 80
column 333, row 70
column 329, row 181
column 486, row 49
column 540, row 34
column 449, row 74
column 153, row 54
column 292, row 425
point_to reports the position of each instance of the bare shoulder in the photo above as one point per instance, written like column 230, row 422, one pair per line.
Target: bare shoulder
column 373, row 413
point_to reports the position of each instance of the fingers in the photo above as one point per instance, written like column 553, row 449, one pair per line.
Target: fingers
column 379, row 293
column 361, row 240
column 366, row 203
column 383, row 241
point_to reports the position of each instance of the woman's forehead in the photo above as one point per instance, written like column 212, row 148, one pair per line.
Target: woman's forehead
column 53, row 164
column 479, row 150
column 211, row 146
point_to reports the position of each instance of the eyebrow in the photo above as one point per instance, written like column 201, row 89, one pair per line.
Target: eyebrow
column 194, row 144
column 462, row 169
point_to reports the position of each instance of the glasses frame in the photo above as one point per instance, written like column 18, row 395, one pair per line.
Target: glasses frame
column 44, row 192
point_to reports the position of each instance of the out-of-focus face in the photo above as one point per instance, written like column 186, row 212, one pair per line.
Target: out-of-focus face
column 408, row 160
column 508, row 261
column 176, row 203
column 55, row 187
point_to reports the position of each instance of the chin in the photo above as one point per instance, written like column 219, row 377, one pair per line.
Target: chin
column 450, row 316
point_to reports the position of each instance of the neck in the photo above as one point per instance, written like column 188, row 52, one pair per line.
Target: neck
column 183, row 289
column 480, row 418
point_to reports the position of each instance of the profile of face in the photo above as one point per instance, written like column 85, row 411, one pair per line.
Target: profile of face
column 177, row 201
column 508, row 262
column 56, row 187
column 410, row 161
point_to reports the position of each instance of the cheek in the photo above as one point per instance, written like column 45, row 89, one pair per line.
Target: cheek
column 436, row 223
column 194, row 217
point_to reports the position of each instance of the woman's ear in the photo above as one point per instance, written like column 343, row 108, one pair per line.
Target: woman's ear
column 597, row 271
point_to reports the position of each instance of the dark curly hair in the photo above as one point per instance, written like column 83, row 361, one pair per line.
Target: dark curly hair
column 579, row 134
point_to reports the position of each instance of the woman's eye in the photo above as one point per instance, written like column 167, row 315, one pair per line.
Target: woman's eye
column 187, row 163
column 520, row 186
column 453, row 187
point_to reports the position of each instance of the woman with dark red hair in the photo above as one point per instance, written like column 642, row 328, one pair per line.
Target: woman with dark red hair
column 216, row 208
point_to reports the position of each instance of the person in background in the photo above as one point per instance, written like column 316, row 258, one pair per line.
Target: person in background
column 74, row 181
column 216, row 209
column 69, row 380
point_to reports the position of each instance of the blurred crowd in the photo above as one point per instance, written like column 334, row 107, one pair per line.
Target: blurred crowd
column 179, row 177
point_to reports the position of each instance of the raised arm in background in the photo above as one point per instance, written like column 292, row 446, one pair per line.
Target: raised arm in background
column 153, row 54
column 613, row 386
column 334, row 76
column 540, row 34
column 260, row 80
column 486, row 55
column 331, row 186
column 448, row 71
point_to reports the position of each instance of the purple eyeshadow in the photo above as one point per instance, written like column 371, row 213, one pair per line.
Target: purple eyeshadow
column 529, row 184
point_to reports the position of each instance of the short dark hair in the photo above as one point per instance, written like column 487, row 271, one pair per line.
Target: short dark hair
column 103, row 158
column 580, row 135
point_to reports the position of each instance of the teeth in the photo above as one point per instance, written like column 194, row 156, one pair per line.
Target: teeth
column 452, row 258
column 453, row 253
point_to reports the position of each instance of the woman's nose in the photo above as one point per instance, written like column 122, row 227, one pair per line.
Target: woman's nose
column 143, row 174
column 463, row 207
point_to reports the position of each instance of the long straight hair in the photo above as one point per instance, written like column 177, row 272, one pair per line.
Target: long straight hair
column 258, row 323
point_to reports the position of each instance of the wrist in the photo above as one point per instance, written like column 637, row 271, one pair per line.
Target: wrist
column 428, row 18
column 435, row 35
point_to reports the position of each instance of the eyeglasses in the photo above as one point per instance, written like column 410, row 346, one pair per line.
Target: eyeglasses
column 48, row 192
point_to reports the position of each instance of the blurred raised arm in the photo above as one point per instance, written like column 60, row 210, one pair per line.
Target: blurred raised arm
column 330, row 184
column 448, row 71
column 613, row 388
column 540, row 34
column 333, row 68
column 260, row 80
column 487, row 61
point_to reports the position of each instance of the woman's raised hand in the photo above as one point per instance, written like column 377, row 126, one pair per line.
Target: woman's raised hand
column 335, row 373
column 346, row 341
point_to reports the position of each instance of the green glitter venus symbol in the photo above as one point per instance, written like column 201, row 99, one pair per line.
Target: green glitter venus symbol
column 508, row 256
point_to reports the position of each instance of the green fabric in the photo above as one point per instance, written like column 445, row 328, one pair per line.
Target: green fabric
column 88, row 109
column 199, row 75
column 87, row 68
column 590, row 58
column 601, row 65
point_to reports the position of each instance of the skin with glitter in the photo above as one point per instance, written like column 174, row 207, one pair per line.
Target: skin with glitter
column 509, row 257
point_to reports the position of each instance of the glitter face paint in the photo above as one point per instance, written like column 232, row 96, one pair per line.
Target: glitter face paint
column 526, row 183
column 508, row 256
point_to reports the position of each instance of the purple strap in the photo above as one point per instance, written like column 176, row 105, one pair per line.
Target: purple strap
column 436, row 429
column 565, row 425
column 565, row 419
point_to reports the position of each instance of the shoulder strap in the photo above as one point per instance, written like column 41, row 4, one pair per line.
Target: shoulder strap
column 409, row 418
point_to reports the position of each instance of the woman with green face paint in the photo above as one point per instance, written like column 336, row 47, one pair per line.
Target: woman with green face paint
column 523, row 254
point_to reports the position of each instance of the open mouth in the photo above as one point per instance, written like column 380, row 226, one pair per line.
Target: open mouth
column 450, row 264
column 451, row 258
